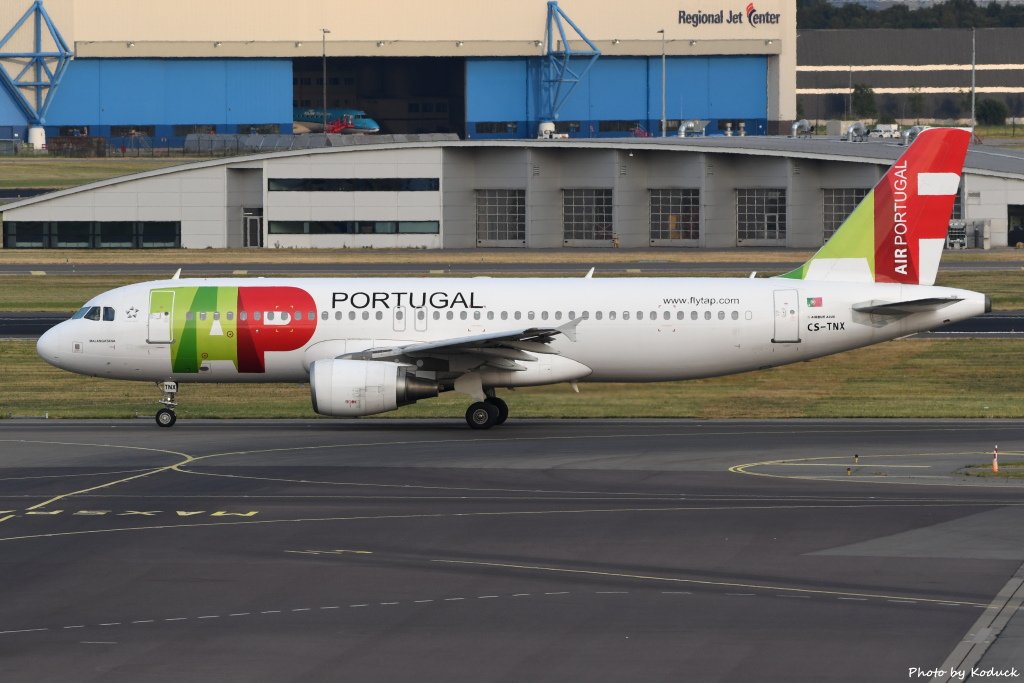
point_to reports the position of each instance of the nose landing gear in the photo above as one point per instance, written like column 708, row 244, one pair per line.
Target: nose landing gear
column 165, row 417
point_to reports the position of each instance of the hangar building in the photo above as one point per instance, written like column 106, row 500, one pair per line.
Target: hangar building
column 435, row 191
column 162, row 70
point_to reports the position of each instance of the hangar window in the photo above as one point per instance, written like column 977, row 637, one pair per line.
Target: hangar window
column 132, row 131
column 567, row 127
column 761, row 215
column 194, row 128
column 497, row 128
column 500, row 216
column 675, row 214
column 838, row 204
column 353, row 227
column 624, row 126
column 354, row 184
column 587, row 215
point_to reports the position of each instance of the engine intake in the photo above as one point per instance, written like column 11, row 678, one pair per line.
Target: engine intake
column 351, row 388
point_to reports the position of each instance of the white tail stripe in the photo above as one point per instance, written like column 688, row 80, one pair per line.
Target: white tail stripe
column 929, row 254
column 937, row 183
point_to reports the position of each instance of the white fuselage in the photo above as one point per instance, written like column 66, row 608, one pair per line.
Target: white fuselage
column 632, row 329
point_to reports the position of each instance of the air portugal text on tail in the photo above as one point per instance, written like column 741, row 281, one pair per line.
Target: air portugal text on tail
column 367, row 346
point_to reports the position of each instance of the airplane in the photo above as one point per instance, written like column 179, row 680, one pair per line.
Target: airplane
column 368, row 346
column 346, row 121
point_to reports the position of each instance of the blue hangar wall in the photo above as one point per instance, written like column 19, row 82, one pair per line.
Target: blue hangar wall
column 617, row 94
column 163, row 93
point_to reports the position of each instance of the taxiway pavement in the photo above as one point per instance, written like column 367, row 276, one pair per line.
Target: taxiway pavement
column 595, row 550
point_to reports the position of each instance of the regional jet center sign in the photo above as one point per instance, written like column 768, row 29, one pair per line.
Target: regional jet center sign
column 749, row 16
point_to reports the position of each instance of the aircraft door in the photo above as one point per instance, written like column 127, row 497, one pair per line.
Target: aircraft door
column 399, row 319
column 421, row 319
column 161, row 307
column 787, row 316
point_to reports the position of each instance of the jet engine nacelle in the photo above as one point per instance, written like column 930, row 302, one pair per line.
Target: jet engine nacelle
column 351, row 388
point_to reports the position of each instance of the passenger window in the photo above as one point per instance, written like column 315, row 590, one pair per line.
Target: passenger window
column 476, row 315
column 611, row 315
column 707, row 315
column 420, row 315
column 189, row 315
column 449, row 315
column 337, row 315
column 230, row 315
column 437, row 315
column 667, row 316
column 351, row 315
column 216, row 315
column 398, row 315
column 558, row 315
column 529, row 315
column 625, row 315
column 463, row 315
column 680, row 315
column 721, row 315
column 544, row 315
column 735, row 315
column 323, row 315
column 379, row 315
column 108, row 314
column 202, row 315
column 572, row 315
column 490, row 315
column 311, row 315
column 598, row 315
column 517, row 315
column 749, row 315
column 243, row 316
column 366, row 315
column 504, row 315
column 693, row 315
column 270, row 316
column 586, row 315
column 639, row 315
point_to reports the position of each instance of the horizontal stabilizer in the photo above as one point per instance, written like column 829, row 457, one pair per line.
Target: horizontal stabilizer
column 905, row 307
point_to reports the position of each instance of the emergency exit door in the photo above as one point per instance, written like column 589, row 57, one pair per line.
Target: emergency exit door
column 161, row 309
column 787, row 316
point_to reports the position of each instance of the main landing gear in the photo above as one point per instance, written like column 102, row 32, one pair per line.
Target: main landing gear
column 487, row 413
column 165, row 417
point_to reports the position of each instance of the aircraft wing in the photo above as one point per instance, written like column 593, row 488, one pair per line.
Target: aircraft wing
column 496, row 349
column 905, row 307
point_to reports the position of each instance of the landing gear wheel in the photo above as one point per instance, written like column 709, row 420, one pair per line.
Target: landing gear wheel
column 165, row 417
column 482, row 415
column 501, row 406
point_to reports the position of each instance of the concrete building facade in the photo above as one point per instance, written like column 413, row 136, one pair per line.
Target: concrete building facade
column 438, row 192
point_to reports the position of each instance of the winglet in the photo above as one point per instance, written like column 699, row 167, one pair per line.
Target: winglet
column 177, row 274
column 569, row 329
column 589, row 275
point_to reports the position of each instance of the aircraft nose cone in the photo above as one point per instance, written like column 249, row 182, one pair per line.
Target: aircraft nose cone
column 49, row 347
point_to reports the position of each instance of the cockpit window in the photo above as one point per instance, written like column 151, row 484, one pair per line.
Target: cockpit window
column 108, row 314
column 93, row 313
column 80, row 313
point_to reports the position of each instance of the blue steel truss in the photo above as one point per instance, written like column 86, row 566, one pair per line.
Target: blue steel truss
column 560, row 79
column 40, row 72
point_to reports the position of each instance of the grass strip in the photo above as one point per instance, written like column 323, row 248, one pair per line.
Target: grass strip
column 907, row 378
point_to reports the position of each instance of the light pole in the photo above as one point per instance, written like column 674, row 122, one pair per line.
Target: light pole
column 664, row 126
column 974, row 89
column 323, row 33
